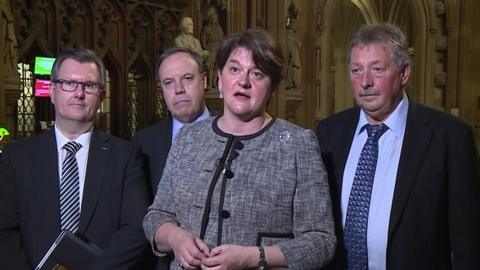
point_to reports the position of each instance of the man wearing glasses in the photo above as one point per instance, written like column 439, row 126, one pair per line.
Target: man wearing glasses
column 73, row 178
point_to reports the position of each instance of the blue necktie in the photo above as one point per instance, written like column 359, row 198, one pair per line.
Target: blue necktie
column 70, row 189
column 356, row 222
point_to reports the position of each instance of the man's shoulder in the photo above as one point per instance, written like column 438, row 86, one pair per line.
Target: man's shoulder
column 340, row 118
column 159, row 129
column 100, row 136
column 29, row 143
column 118, row 148
column 436, row 118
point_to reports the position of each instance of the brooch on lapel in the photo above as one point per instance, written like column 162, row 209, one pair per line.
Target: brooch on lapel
column 285, row 136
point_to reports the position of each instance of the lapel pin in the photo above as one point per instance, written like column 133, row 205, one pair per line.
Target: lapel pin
column 285, row 136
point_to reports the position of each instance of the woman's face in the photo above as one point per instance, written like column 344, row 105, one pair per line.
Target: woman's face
column 246, row 89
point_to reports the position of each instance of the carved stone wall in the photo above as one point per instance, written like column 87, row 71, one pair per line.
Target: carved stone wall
column 437, row 31
column 128, row 35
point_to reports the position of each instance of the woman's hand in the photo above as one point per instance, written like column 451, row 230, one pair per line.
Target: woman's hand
column 188, row 250
column 231, row 257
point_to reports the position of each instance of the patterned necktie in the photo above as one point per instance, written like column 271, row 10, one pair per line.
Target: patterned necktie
column 356, row 222
column 70, row 189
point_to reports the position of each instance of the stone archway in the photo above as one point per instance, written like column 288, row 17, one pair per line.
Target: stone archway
column 341, row 19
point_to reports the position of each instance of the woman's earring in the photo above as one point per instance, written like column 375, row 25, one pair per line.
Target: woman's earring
column 220, row 93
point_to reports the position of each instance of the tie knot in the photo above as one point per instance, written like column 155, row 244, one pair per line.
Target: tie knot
column 375, row 131
column 72, row 147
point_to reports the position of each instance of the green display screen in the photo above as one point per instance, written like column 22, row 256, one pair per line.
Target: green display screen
column 43, row 65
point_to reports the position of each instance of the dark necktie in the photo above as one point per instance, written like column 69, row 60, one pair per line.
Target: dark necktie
column 356, row 222
column 70, row 189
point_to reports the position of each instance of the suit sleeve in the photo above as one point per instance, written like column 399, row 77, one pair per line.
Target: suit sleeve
column 142, row 141
column 163, row 207
column 314, row 243
column 128, row 247
column 12, row 254
column 464, row 202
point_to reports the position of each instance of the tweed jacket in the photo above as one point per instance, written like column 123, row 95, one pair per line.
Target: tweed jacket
column 272, row 190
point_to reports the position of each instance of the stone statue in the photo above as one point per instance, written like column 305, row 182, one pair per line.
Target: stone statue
column 166, row 33
column 8, row 44
column 187, row 40
column 212, row 36
column 293, row 72
column 9, row 76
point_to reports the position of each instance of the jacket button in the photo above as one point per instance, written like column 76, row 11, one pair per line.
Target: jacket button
column 225, row 214
column 229, row 174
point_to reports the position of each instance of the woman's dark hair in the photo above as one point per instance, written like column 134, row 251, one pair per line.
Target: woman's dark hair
column 266, row 53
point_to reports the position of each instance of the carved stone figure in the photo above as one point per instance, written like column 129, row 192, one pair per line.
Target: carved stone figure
column 166, row 32
column 187, row 40
column 212, row 36
column 70, row 23
column 138, row 34
column 8, row 44
column 105, row 28
column 440, row 8
column 293, row 72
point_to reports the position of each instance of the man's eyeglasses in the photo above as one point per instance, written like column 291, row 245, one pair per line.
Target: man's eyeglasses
column 71, row 85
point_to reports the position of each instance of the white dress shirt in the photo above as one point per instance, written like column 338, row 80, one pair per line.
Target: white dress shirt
column 81, row 155
column 389, row 150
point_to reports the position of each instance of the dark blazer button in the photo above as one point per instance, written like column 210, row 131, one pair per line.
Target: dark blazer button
column 229, row 174
column 234, row 155
column 225, row 214
column 238, row 145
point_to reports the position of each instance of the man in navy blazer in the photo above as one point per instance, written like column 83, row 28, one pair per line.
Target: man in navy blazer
column 112, row 190
column 424, row 207
column 182, row 76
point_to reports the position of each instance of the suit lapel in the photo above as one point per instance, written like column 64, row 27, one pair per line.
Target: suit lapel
column 415, row 143
column 344, row 144
column 162, row 149
column 99, row 153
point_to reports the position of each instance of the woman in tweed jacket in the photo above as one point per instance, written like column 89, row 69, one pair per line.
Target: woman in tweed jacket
column 244, row 190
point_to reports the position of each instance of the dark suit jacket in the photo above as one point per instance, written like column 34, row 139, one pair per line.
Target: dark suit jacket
column 436, row 201
column 155, row 142
column 113, row 205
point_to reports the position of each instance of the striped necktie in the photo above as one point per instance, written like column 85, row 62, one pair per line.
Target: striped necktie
column 356, row 223
column 70, row 189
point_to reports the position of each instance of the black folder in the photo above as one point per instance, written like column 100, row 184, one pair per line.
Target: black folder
column 70, row 251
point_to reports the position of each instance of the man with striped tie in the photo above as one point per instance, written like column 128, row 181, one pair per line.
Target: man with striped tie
column 73, row 177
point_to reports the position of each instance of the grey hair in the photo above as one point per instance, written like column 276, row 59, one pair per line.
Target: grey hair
column 81, row 55
column 383, row 33
column 202, row 68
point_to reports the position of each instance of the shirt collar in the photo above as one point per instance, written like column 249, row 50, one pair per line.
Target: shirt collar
column 177, row 124
column 396, row 121
column 83, row 139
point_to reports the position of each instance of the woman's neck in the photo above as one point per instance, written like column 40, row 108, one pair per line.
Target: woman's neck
column 239, row 127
